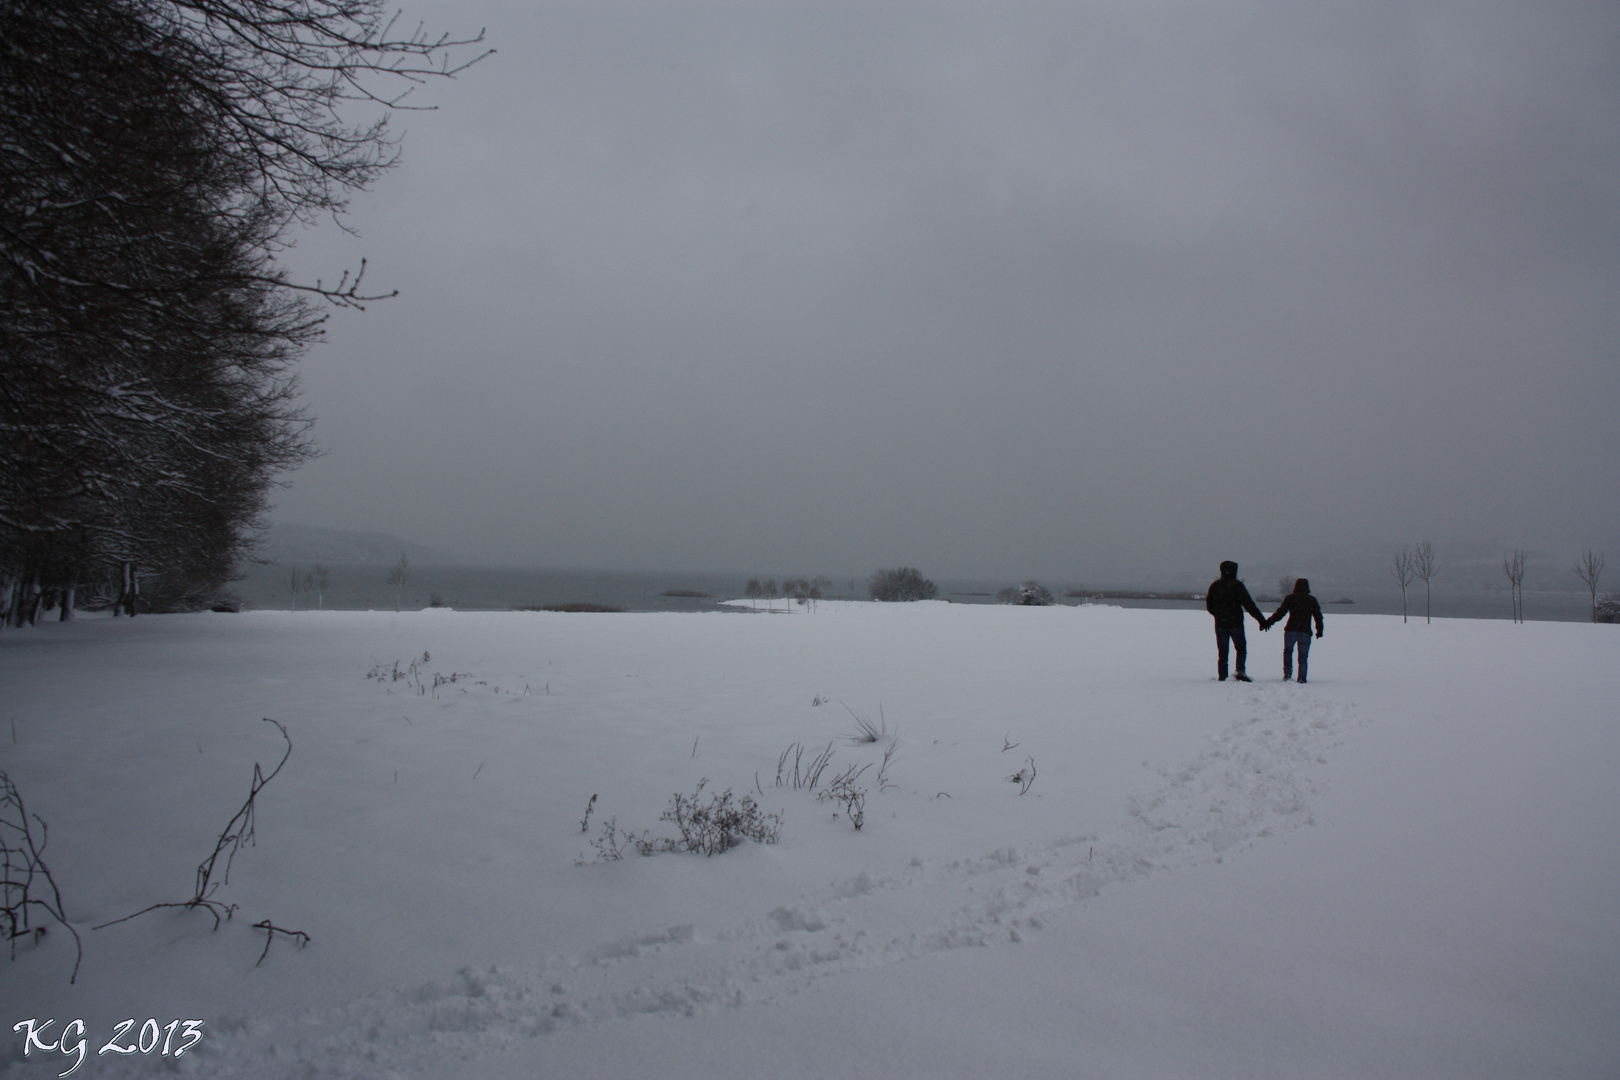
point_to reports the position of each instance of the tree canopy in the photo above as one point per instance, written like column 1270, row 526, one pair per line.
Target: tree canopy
column 153, row 155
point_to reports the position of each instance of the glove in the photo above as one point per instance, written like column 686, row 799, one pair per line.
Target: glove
column 1319, row 634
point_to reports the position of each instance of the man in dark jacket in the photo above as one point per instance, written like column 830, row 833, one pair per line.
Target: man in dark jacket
column 1301, row 608
column 1227, row 600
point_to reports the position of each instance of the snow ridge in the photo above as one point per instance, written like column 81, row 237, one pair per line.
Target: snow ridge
column 1253, row 780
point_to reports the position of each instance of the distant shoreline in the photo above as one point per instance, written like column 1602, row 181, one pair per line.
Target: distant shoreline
column 361, row 586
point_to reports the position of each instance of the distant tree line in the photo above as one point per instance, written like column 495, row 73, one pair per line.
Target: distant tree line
column 154, row 155
column 900, row 584
column 806, row 591
column 1419, row 563
column 1029, row 594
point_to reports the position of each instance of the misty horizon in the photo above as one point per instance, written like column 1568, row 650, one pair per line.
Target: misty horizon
column 1102, row 293
column 1362, row 568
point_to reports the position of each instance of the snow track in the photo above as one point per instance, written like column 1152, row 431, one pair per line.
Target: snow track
column 1256, row 778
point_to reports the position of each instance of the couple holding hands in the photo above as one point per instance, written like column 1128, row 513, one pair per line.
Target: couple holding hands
column 1227, row 600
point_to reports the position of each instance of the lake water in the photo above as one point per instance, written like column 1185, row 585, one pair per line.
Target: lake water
column 363, row 586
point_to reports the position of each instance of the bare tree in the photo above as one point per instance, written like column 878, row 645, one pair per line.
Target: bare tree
column 1513, row 567
column 820, row 586
column 397, row 577
column 1589, row 568
column 805, row 591
column 320, row 578
column 1404, row 571
column 1424, row 566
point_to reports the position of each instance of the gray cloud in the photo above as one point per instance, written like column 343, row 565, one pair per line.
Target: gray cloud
column 1075, row 289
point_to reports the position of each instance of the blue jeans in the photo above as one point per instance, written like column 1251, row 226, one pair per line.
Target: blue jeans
column 1291, row 639
column 1239, row 643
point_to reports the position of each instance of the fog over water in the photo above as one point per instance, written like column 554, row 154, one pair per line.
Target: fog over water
column 1089, row 292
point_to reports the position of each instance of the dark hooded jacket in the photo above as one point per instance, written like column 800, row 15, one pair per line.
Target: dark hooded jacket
column 1301, row 608
column 1228, row 598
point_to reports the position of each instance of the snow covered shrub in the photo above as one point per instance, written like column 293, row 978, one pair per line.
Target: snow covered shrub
column 409, row 673
column 900, row 584
column 842, row 789
column 1029, row 594
column 25, row 880
column 721, row 824
column 705, row 828
column 611, row 845
column 1608, row 611
column 412, row 674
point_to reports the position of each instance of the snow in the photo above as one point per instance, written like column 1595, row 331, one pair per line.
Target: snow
column 1408, row 867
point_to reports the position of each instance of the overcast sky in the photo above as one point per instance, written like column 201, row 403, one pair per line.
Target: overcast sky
column 1080, row 290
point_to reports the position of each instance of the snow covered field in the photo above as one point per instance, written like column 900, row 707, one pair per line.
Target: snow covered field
column 1409, row 867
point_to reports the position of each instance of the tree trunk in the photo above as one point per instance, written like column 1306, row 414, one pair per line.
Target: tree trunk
column 28, row 610
column 128, row 590
column 68, row 595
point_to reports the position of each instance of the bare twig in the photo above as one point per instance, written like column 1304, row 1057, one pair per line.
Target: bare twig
column 238, row 831
column 24, row 875
column 270, row 931
column 888, row 756
column 1024, row 777
column 817, row 764
column 801, row 776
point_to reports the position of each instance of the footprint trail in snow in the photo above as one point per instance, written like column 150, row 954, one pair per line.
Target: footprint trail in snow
column 1254, row 779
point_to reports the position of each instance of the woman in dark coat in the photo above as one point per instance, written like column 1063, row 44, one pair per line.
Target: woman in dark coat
column 1302, row 609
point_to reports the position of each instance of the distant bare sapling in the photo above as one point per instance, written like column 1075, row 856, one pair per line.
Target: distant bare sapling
column 1589, row 568
column 1513, row 567
column 1425, row 568
column 1404, row 570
